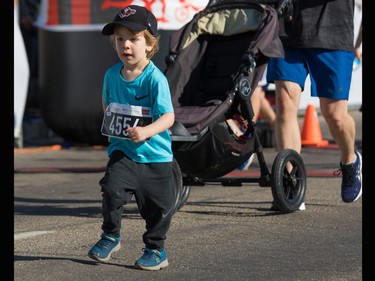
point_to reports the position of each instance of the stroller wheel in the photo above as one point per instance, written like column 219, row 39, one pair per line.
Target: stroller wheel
column 181, row 192
column 288, row 181
column 185, row 192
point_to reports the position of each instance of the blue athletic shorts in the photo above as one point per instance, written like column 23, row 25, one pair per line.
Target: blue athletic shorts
column 330, row 70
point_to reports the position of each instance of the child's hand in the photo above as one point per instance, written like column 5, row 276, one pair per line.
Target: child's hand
column 137, row 134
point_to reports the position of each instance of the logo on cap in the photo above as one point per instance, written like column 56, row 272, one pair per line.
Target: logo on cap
column 127, row 11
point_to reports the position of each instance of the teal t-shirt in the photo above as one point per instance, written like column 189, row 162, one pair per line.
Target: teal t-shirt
column 150, row 89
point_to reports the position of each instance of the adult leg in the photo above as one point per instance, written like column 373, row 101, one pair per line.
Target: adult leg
column 256, row 100
column 266, row 109
column 341, row 126
column 287, row 131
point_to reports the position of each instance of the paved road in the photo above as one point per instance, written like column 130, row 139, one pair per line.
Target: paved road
column 222, row 233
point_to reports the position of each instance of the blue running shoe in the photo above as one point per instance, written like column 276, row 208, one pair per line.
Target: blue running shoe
column 351, row 186
column 152, row 260
column 103, row 249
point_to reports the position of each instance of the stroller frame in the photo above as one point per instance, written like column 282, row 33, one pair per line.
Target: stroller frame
column 214, row 64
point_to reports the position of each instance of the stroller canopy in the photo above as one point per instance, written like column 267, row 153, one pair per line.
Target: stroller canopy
column 229, row 18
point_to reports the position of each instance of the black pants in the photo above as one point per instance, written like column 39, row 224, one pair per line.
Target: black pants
column 152, row 186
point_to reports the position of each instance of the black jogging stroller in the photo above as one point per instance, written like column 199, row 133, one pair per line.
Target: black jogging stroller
column 215, row 61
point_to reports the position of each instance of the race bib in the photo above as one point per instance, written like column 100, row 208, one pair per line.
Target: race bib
column 119, row 117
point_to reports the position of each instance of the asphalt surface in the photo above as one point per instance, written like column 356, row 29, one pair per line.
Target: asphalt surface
column 222, row 233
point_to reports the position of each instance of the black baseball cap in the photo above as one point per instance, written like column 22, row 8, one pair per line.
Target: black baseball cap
column 135, row 18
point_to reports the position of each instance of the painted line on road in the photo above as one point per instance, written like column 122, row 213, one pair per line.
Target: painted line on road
column 25, row 235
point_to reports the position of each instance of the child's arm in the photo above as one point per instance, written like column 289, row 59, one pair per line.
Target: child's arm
column 104, row 107
column 103, row 104
column 138, row 134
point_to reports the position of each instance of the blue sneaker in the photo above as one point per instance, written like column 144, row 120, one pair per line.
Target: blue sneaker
column 351, row 186
column 103, row 249
column 152, row 260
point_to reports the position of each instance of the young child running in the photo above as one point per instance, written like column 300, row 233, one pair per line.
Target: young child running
column 138, row 112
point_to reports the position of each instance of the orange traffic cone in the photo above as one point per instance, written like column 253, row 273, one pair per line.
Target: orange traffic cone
column 311, row 134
